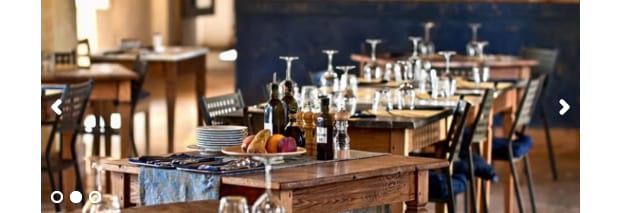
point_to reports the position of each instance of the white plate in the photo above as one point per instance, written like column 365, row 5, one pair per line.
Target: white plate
column 222, row 128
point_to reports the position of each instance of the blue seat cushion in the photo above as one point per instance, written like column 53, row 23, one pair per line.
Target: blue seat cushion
column 482, row 169
column 521, row 146
column 438, row 185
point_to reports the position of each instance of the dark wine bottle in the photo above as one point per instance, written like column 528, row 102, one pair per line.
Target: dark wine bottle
column 293, row 130
column 288, row 87
column 324, row 132
column 275, row 112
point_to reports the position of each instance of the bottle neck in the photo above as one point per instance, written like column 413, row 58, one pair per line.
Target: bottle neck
column 341, row 125
column 275, row 93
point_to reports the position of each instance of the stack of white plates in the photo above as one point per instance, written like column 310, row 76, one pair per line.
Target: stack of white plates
column 213, row 138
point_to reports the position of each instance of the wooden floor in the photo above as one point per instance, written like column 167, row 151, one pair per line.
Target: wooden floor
column 560, row 196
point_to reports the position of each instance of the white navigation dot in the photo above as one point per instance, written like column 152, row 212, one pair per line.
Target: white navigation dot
column 94, row 197
column 75, row 197
column 60, row 198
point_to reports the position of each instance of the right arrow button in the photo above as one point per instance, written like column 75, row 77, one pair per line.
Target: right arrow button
column 565, row 107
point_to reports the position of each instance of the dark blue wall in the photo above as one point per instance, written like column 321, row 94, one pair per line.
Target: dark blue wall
column 267, row 29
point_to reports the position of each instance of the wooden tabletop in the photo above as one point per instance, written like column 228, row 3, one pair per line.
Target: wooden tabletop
column 205, row 206
column 333, row 172
column 458, row 61
column 169, row 54
column 98, row 72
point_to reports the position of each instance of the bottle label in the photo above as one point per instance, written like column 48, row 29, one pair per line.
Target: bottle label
column 321, row 135
column 268, row 126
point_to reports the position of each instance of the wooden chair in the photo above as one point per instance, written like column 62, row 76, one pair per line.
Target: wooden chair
column 221, row 105
column 76, row 56
column 547, row 59
column 74, row 100
column 513, row 150
column 445, row 184
column 65, row 58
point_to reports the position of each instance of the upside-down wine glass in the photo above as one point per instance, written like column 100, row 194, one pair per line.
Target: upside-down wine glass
column 329, row 79
column 372, row 68
column 346, row 98
column 415, row 41
column 471, row 45
column 447, row 55
column 486, row 70
column 267, row 202
column 427, row 47
column 288, row 84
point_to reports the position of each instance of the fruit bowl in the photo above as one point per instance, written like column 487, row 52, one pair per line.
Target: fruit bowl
column 237, row 151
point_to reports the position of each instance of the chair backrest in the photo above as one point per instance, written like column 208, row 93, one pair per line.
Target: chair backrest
column 481, row 122
column 65, row 58
column 455, row 133
column 220, row 105
column 528, row 103
column 74, row 100
column 141, row 68
column 546, row 58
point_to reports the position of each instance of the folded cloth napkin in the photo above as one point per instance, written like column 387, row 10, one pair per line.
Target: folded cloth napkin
column 465, row 84
column 160, row 186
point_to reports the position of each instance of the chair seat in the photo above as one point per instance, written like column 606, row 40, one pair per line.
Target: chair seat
column 521, row 146
column 56, row 164
column 438, row 185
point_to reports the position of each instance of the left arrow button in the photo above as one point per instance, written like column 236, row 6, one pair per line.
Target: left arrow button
column 55, row 107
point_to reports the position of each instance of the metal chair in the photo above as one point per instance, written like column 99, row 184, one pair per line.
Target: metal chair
column 547, row 59
column 442, row 188
column 74, row 100
column 478, row 135
column 216, row 106
column 507, row 149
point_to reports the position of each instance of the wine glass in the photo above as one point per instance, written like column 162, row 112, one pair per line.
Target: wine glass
column 406, row 94
column 387, row 75
column 372, row 68
column 347, row 99
column 233, row 204
column 382, row 100
column 415, row 41
column 98, row 203
column 288, row 84
column 309, row 95
column 329, row 79
column 471, row 46
column 447, row 55
column 486, row 71
column 267, row 202
column 427, row 47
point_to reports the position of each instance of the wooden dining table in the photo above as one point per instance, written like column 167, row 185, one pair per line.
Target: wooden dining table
column 170, row 63
column 330, row 186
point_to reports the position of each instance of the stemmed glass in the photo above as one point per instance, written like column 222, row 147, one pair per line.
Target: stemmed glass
column 372, row 67
column 486, row 72
column 427, row 47
column 288, row 84
column 329, row 79
column 347, row 99
column 309, row 96
column 415, row 41
column 96, row 202
column 267, row 202
column 406, row 94
column 471, row 46
column 447, row 55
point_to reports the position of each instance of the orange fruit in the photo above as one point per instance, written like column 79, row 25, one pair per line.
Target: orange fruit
column 272, row 143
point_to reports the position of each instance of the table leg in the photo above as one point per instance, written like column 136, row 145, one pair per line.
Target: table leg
column 125, row 110
column 106, row 112
column 96, row 106
column 170, row 70
column 420, row 184
column 286, row 198
column 68, row 181
column 201, row 83
column 120, row 187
